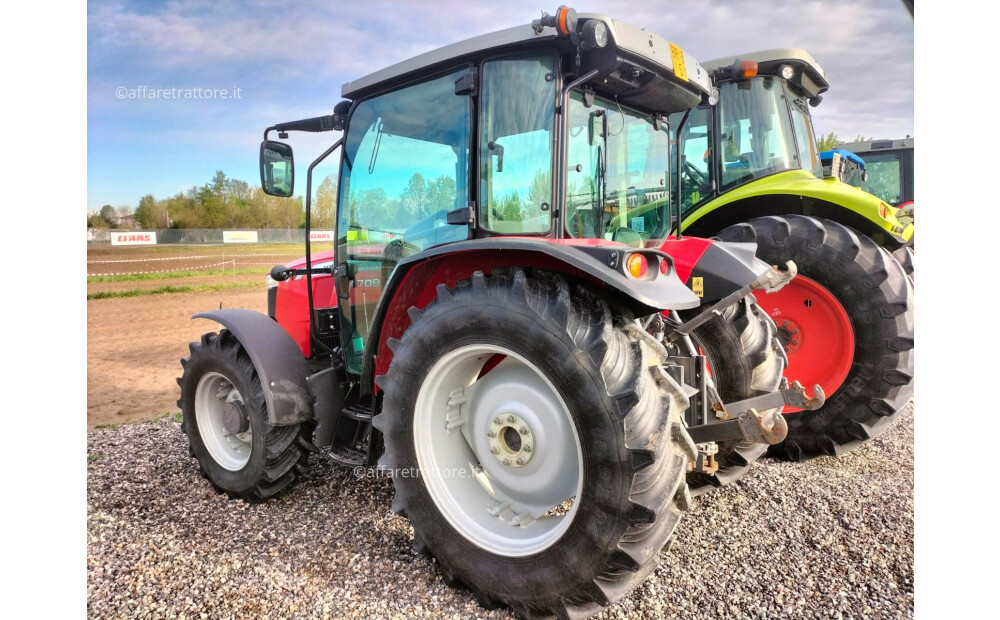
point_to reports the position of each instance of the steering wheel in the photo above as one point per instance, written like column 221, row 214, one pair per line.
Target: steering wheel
column 693, row 173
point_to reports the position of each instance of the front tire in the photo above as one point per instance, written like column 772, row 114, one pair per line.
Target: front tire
column 225, row 419
column 582, row 521
column 847, row 323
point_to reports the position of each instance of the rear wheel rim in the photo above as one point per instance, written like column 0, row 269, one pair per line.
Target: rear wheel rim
column 212, row 398
column 815, row 331
column 512, row 492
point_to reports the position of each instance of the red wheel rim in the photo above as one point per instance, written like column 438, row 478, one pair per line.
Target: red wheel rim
column 816, row 332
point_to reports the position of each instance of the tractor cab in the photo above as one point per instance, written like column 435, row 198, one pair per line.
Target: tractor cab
column 551, row 131
column 889, row 166
column 761, row 125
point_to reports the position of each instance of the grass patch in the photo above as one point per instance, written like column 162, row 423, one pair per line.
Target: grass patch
column 170, row 275
column 164, row 290
column 94, row 457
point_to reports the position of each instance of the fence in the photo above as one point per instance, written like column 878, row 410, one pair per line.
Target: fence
column 203, row 236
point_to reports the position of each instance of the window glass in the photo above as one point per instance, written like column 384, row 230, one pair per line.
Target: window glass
column 405, row 167
column 515, row 150
column 884, row 178
column 618, row 170
column 756, row 135
column 805, row 138
column 697, row 171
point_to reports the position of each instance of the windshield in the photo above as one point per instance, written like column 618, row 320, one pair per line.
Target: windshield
column 618, row 168
column 756, row 136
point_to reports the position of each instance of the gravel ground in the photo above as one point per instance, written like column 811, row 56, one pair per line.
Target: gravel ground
column 832, row 538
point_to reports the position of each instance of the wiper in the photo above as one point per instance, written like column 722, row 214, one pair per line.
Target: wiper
column 378, row 144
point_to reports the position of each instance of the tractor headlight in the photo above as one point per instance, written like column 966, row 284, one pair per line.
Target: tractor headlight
column 787, row 71
column 595, row 33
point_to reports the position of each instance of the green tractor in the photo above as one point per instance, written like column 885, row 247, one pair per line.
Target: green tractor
column 750, row 171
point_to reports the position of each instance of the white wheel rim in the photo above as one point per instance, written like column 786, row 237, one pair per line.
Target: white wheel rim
column 211, row 399
column 513, row 510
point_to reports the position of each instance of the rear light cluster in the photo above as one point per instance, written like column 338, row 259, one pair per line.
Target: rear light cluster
column 637, row 265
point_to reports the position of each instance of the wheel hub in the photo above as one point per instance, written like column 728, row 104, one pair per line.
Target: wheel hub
column 235, row 418
column 789, row 334
column 511, row 440
column 223, row 421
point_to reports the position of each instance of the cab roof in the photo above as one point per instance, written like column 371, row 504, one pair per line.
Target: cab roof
column 631, row 45
column 874, row 146
column 809, row 75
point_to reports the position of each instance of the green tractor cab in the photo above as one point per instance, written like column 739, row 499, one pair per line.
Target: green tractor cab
column 889, row 168
column 750, row 170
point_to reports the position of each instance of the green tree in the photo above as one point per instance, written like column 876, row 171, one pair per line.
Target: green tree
column 828, row 142
column 509, row 207
column 94, row 220
column 540, row 189
column 325, row 205
column 108, row 215
column 415, row 198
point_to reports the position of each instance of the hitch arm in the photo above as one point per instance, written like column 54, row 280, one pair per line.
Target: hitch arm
column 749, row 425
column 770, row 281
column 793, row 396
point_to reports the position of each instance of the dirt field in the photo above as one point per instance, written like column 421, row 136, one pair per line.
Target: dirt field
column 134, row 344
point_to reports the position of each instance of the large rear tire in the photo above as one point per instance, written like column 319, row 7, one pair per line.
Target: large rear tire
column 225, row 419
column 508, row 361
column 745, row 360
column 847, row 323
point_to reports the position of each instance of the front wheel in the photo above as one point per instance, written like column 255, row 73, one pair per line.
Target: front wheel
column 535, row 443
column 846, row 323
column 225, row 419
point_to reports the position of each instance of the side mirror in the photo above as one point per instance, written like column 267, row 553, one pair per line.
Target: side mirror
column 277, row 168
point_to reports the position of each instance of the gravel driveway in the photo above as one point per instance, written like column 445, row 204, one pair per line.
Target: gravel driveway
column 832, row 538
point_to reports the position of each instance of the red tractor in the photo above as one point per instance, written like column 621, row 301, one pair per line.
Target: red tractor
column 503, row 325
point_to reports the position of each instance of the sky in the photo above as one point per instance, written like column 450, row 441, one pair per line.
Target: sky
column 267, row 62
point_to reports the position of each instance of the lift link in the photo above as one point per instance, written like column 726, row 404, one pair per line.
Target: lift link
column 772, row 280
column 751, row 425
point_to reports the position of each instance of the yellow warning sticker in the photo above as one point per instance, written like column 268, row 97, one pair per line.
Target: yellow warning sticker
column 677, row 56
column 698, row 286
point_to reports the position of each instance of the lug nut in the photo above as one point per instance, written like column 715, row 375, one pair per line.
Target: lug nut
column 795, row 342
column 527, row 447
column 495, row 450
column 491, row 434
column 497, row 421
column 519, row 461
column 506, row 461
column 524, row 430
column 510, row 419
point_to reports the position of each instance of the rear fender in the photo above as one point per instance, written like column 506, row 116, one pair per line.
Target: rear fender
column 414, row 282
column 279, row 363
column 714, row 269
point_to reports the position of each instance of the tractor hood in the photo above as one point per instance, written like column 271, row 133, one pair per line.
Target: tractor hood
column 803, row 183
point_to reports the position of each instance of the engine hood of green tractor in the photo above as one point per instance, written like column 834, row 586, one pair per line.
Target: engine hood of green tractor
column 803, row 183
